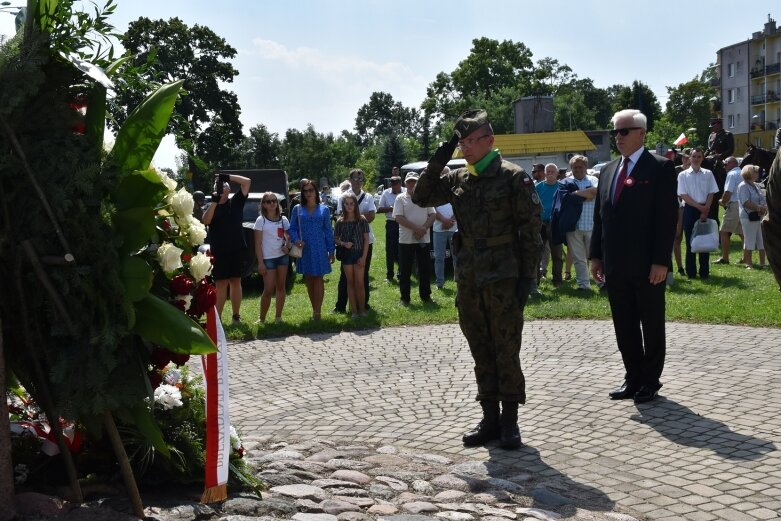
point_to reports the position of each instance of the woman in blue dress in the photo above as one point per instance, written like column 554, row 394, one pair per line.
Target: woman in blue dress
column 310, row 228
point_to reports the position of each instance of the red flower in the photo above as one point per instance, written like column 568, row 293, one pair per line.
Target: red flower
column 181, row 285
column 186, row 257
column 155, row 379
column 179, row 359
column 205, row 298
column 160, row 357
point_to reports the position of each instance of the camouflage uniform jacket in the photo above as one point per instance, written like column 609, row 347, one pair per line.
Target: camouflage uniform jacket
column 498, row 202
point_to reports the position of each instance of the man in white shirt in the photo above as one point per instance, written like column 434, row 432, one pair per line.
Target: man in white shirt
column 368, row 210
column 579, row 240
column 696, row 187
column 387, row 199
column 414, row 224
column 731, row 222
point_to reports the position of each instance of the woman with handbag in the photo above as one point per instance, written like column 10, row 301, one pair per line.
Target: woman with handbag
column 352, row 247
column 753, row 207
column 310, row 229
column 271, row 240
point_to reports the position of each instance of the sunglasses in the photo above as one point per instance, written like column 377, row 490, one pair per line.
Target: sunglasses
column 269, row 201
column 308, row 190
column 623, row 131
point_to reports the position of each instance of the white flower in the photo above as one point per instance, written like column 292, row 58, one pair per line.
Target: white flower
column 170, row 257
column 187, row 300
column 235, row 440
column 182, row 203
column 167, row 181
column 168, row 397
column 200, row 266
column 196, row 231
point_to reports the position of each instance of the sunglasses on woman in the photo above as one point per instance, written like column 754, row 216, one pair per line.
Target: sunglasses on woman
column 269, row 201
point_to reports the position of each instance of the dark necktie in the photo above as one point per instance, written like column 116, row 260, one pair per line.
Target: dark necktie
column 620, row 182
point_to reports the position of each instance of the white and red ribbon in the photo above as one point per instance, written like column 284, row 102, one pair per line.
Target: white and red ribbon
column 218, row 442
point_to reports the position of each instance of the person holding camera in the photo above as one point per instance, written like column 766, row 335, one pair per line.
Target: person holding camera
column 224, row 217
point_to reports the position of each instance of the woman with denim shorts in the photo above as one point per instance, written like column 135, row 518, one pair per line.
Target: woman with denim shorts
column 270, row 236
column 352, row 234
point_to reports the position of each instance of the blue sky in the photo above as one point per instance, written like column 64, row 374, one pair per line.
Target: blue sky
column 317, row 62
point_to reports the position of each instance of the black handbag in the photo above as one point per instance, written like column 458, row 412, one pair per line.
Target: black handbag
column 753, row 216
column 341, row 253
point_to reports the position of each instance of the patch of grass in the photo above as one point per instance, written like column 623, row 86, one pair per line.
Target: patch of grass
column 733, row 295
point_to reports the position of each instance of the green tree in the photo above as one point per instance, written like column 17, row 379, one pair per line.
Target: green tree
column 665, row 131
column 491, row 66
column 383, row 116
column 392, row 154
column 548, row 76
column 597, row 101
column 261, row 149
column 639, row 96
column 689, row 106
column 308, row 154
column 206, row 120
column 571, row 112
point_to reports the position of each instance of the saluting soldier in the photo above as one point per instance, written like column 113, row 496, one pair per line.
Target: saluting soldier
column 498, row 247
column 721, row 143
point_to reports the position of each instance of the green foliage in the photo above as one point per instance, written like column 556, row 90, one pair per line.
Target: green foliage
column 689, row 106
column 206, row 121
column 159, row 322
column 639, row 96
column 383, row 117
column 392, row 154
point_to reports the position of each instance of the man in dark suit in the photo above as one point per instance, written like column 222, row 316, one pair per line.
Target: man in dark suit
column 631, row 245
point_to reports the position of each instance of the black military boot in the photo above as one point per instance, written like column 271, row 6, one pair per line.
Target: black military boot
column 510, row 437
column 487, row 429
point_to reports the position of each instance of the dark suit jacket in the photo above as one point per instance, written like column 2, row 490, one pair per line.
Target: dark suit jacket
column 638, row 231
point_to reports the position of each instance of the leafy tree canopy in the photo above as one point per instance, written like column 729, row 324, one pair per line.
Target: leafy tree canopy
column 206, row 120
column 689, row 106
column 383, row 116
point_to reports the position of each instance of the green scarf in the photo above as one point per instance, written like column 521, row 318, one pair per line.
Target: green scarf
column 481, row 165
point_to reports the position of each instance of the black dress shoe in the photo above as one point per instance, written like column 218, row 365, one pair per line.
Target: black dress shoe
column 510, row 437
column 623, row 393
column 484, row 432
column 646, row 394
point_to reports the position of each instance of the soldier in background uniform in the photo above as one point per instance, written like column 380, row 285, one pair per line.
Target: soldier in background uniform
column 498, row 246
column 771, row 224
column 721, row 144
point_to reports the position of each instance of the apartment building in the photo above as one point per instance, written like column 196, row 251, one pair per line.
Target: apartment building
column 750, row 78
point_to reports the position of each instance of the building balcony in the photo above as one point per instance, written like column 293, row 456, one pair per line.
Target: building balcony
column 766, row 71
column 761, row 99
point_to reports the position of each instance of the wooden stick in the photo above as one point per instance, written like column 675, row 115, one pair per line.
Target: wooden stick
column 124, row 464
column 42, row 386
column 43, row 278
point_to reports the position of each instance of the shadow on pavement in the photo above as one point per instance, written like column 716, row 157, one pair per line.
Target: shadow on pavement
column 683, row 426
column 546, row 485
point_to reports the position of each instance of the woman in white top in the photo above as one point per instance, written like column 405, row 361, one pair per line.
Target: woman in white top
column 751, row 200
column 270, row 236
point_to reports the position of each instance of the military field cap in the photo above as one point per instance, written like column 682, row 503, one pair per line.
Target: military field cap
column 715, row 121
column 469, row 122
column 411, row 175
column 686, row 152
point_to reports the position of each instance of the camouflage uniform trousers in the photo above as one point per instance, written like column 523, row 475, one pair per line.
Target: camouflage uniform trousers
column 492, row 323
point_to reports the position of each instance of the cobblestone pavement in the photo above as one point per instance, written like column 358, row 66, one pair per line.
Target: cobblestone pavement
column 708, row 448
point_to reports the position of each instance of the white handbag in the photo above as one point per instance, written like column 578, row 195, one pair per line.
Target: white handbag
column 705, row 237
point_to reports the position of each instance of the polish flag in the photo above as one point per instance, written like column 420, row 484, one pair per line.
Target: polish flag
column 681, row 139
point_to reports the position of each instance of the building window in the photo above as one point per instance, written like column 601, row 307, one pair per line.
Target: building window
column 731, row 121
column 731, row 70
column 731, row 96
